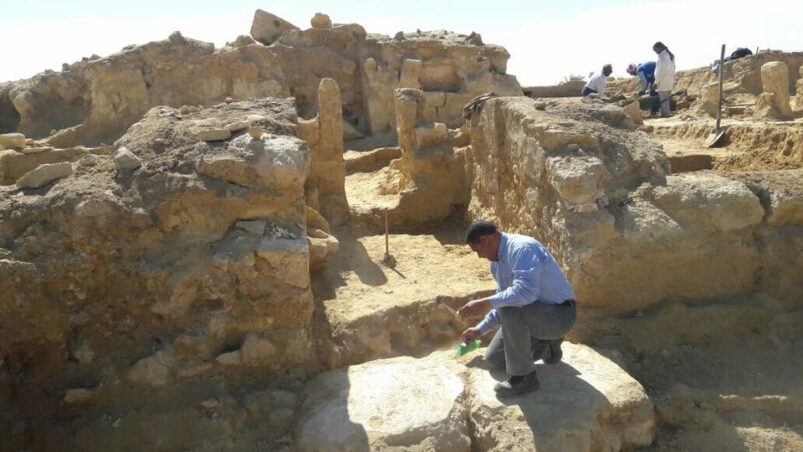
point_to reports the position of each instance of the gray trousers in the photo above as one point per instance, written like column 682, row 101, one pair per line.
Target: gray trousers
column 663, row 98
column 525, row 333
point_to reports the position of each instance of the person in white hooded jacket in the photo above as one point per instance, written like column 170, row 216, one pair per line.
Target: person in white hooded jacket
column 664, row 76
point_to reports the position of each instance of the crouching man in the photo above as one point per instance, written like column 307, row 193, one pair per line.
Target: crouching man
column 534, row 304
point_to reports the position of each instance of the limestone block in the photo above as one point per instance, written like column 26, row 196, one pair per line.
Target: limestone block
column 799, row 90
column 256, row 227
column 44, row 174
column 576, row 178
column 410, row 74
column 12, row 140
column 213, row 134
column 378, row 405
column 632, row 110
column 707, row 200
column 643, row 223
column 330, row 120
column 587, row 402
column 278, row 162
column 775, row 81
column 407, row 105
column 288, row 259
column 257, row 351
column 321, row 246
column 785, row 208
column 321, row 21
column 234, row 358
column 36, row 150
column 316, row 220
column 153, row 370
column 125, row 160
column 237, row 126
column 708, row 103
column 436, row 134
column 266, row 27
column 79, row 396
column 256, row 132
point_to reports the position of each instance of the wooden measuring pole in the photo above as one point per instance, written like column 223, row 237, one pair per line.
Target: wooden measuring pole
column 721, row 78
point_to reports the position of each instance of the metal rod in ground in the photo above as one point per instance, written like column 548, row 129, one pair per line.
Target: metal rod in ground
column 388, row 260
column 387, row 250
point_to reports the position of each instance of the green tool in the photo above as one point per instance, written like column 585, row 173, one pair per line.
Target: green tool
column 464, row 348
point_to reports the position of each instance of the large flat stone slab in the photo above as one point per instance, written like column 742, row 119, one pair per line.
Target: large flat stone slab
column 441, row 402
column 402, row 403
column 587, row 402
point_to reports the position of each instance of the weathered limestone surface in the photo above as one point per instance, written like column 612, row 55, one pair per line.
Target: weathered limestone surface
column 379, row 405
column 585, row 403
column 799, row 90
column 774, row 100
column 119, row 281
column 267, row 27
column 599, row 197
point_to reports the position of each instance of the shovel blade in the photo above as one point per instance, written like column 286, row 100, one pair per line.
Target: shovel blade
column 714, row 138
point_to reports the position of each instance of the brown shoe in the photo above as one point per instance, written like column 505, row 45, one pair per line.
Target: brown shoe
column 516, row 385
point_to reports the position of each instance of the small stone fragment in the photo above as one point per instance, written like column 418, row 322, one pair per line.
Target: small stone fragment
column 44, row 175
column 125, row 160
column 213, row 135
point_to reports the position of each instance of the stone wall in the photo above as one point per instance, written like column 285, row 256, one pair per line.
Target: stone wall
column 103, row 96
column 568, row 89
column 629, row 234
column 181, row 257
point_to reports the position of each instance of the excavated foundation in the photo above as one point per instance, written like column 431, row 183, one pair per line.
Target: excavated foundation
column 228, row 275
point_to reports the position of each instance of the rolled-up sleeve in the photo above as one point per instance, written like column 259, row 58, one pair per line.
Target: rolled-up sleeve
column 526, row 269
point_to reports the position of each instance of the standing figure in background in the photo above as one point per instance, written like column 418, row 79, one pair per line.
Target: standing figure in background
column 664, row 77
column 596, row 84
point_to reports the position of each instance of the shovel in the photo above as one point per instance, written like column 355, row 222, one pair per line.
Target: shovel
column 718, row 133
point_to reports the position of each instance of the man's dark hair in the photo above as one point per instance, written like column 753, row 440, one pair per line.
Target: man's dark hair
column 607, row 69
column 478, row 229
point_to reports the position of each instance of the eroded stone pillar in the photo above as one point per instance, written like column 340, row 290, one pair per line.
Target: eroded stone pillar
column 410, row 74
column 774, row 101
column 799, row 89
column 326, row 184
column 408, row 102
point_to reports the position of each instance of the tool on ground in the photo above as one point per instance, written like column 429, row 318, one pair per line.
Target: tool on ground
column 464, row 348
column 448, row 308
column 387, row 259
column 715, row 137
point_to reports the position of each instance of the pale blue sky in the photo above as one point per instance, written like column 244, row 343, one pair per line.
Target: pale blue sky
column 547, row 39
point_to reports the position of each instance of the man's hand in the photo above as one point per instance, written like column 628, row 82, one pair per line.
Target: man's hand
column 470, row 334
column 474, row 308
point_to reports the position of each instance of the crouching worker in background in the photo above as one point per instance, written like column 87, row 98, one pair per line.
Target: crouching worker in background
column 534, row 304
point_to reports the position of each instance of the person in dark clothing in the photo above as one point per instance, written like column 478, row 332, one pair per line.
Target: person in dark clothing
column 646, row 74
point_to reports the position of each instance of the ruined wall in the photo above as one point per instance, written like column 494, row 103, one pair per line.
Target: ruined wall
column 568, row 89
column 628, row 234
column 183, row 258
column 103, row 96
